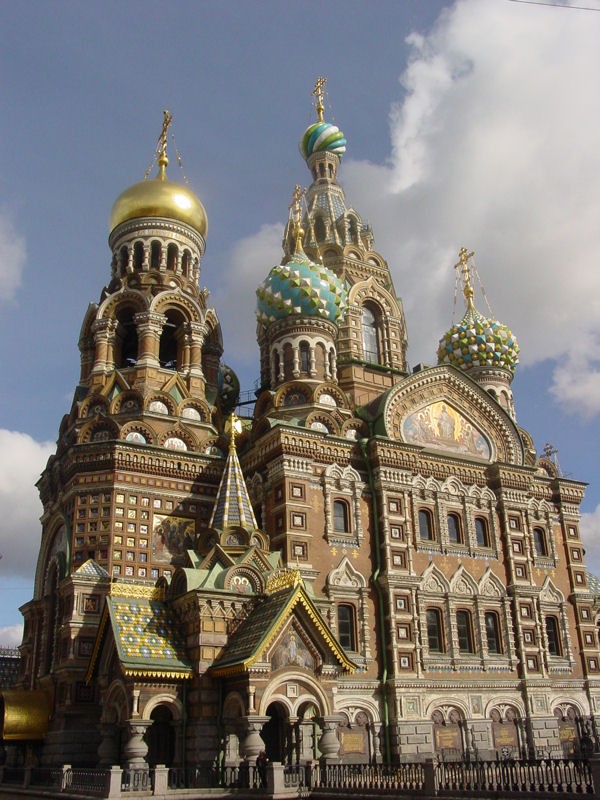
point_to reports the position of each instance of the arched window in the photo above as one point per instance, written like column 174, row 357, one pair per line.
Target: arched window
column 481, row 532
column 370, row 339
column 304, row 357
column 186, row 261
column 435, row 631
column 492, row 632
column 426, row 525
column 454, row 529
column 553, row 636
column 539, row 541
column 172, row 255
column 138, row 255
column 169, row 354
column 347, row 626
column 341, row 517
column 464, row 629
column 320, row 232
column 123, row 260
column 126, row 339
column 155, row 255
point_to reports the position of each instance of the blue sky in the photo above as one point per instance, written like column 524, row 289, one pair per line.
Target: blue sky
column 470, row 123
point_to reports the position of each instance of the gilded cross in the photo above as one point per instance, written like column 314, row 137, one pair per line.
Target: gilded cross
column 319, row 95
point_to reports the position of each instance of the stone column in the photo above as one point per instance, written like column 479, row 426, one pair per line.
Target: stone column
column 196, row 332
column 103, row 330
column 136, row 749
column 329, row 743
column 252, row 743
column 108, row 750
column 149, row 327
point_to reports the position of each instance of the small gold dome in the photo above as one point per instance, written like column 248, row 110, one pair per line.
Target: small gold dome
column 159, row 197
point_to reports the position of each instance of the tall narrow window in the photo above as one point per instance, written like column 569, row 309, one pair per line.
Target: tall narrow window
column 454, row 529
column 304, row 357
column 155, row 255
column 435, row 633
column 425, row 525
column 172, row 256
column 540, row 542
column 481, row 532
column 341, row 517
column 465, row 632
column 369, row 336
column 492, row 632
column 346, row 627
column 552, row 633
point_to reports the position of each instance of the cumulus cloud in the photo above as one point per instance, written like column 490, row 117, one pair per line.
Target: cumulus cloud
column 493, row 145
column 12, row 258
column 249, row 264
column 11, row 635
column 590, row 535
column 22, row 460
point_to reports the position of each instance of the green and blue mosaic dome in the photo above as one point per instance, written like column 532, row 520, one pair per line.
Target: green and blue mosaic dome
column 301, row 288
column 322, row 136
column 478, row 342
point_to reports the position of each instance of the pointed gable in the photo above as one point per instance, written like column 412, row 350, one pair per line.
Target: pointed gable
column 441, row 408
column 286, row 597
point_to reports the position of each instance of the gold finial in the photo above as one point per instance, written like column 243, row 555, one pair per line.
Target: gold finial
column 465, row 269
column 295, row 216
column 160, row 153
column 234, row 426
column 319, row 95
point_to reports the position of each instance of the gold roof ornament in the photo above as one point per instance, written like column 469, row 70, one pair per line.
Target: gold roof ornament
column 158, row 196
column 319, row 94
column 296, row 216
column 465, row 270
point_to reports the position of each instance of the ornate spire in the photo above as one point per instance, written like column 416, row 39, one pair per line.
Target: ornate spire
column 319, row 95
column 160, row 154
column 232, row 507
column 295, row 217
column 465, row 269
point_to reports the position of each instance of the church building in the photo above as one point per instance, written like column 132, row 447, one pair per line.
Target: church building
column 375, row 566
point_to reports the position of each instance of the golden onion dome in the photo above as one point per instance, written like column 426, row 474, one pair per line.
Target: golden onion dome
column 160, row 197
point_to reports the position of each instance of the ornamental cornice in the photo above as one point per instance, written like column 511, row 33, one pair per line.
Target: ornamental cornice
column 146, row 227
column 301, row 325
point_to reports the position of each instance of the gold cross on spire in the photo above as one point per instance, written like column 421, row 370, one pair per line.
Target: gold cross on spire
column 295, row 216
column 319, row 95
column 161, row 144
column 465, row 269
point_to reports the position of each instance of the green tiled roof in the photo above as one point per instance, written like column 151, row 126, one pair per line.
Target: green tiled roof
column 250, row 640
column 149, row 640
column 232, row 507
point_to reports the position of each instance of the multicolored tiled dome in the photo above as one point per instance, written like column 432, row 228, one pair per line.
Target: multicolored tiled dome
column 322, row 136
column 301, row 288
column 478, row 342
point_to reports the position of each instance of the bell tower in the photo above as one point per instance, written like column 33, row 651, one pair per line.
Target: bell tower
column 138, row 457
column 371, row 345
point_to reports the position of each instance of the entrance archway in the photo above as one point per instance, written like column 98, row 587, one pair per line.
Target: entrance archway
column 160, row 738
column 275, row 733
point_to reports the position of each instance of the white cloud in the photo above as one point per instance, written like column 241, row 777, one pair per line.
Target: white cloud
column 590, row 535
column 22, row 460
column 250, row 263
column 495, row 147
column 12, row 258
column 11, row 635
